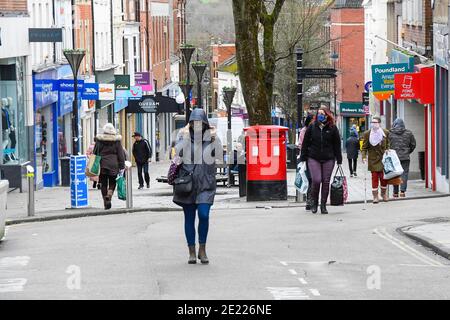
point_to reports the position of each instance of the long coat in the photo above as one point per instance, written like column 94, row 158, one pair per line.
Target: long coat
column 375, row 153
column 352, row 147
column 109, row 148
column 403, row 142
column 204, row 173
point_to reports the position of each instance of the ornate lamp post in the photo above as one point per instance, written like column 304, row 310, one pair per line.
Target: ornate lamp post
column 74, row 57
column 199, row 68
column 187, row 51
column 228, row 97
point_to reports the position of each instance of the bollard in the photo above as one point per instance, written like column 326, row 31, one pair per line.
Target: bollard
column 30, row 178
column 128, row 178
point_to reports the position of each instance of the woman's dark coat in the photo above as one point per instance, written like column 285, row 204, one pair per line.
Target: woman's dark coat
column 109, row 148
column 322, row 143
column 352, row 146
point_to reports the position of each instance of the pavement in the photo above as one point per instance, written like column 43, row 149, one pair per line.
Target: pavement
column 54, row 203
column 355, row 252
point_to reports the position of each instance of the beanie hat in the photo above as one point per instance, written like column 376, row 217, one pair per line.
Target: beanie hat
column 109, row 129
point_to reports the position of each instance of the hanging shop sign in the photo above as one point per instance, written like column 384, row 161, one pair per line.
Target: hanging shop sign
column 407, row 86
column 351, row 109
column 90, row 91
column 46, row 92
column 122, row 81
column 106, row 91
column 153, row 104
column 135, row 93
column 122, row 94
column 427, row 84
column 143, row 79
column 383, row 82
column 366, row 102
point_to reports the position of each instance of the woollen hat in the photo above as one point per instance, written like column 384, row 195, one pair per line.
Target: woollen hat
column 109, row 129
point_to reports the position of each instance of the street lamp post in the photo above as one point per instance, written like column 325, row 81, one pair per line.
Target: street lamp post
column 199, row 68
column 74, row 57
column 187, row 52
column 335, row 57
column 228, row 96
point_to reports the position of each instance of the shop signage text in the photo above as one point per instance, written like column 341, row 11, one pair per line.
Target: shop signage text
column 122, row 82
column 90, row 91
column 383, row 75
column 407, row 86
column 45, row 35
column 106, row 92
column 69, row 85
column 143, row 79
column 153, row 104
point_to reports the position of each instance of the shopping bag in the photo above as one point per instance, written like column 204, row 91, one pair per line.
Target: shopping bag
column 392, row 166
column 395, row 181
column 174, row 168
column 93, row 166
column 121, row 187
column 301, row 180
column 338, row 188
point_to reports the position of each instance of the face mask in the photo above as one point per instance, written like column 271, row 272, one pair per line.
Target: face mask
column 322, row 118
column 375, row 126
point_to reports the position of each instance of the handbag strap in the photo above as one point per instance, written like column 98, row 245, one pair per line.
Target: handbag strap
column 340, row 171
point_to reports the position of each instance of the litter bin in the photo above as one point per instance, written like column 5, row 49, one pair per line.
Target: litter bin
column 291, row 156
column 422, row 164
column 65, row 171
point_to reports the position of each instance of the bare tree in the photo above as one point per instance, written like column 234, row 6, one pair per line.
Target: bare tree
column 258, row 48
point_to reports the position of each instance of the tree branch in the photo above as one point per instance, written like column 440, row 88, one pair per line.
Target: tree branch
column 277, row 9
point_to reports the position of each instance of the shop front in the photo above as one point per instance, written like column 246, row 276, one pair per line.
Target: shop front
column 352, row 114
column 104, row 108
column 14, row 145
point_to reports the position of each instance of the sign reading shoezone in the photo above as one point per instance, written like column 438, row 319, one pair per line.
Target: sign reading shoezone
column 383, row 78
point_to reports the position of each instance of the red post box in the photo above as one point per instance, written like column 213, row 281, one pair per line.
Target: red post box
column 266, row 163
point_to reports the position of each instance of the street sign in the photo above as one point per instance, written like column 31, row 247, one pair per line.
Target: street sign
column 316, row 73
column 78, row 182
column 45, row 35
column 368, row 86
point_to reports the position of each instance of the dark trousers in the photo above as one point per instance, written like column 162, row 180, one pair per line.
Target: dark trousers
column 107, row 182
column 320, row 175
column 190, row 211
column 404, row 185
column 143, row 167
column 352, row 164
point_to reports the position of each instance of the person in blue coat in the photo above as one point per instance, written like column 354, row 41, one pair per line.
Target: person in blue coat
column 352, row 148
column 199, row 149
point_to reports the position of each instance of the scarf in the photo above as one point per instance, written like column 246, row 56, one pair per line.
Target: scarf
column 376, row 136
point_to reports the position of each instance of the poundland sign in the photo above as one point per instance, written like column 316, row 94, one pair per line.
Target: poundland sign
column 383, row 78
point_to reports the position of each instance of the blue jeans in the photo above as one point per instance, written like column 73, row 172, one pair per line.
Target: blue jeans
column 203, row 223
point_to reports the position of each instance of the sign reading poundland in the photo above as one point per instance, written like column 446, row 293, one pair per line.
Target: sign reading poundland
column 383, row 83
column 153, row 104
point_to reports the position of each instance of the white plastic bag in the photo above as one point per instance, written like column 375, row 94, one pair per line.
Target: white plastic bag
column 392, row 167
column 301, row 180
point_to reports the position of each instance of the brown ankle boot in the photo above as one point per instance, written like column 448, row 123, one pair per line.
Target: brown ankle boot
column 192, row 258
column 375, row 196
column 202, row 254
column 384, row 194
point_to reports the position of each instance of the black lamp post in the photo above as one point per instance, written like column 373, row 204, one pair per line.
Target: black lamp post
column 335, row 57
column 74, row 57
column 187, row 52
column 199, row 68
column 228, row 97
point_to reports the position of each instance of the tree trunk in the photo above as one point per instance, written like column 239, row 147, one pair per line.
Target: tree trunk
column 256, row 85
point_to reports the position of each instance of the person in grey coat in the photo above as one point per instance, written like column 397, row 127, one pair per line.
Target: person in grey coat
column 352, row 148
column 403, row 142
column 198, row 148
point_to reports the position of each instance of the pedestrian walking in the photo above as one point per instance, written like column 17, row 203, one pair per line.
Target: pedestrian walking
column 309, row 118
column 198, row 148
column 403, row 142
column 112, row 163
column 89, row 152
column 375, row 144
column 352, row 147
column 142, row 152
column 321, row 148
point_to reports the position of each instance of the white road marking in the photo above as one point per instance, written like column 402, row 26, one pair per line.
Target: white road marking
column 12, row 262
column 288, row 293
column 12, row 285
column 406, row 248
column 315, row 292
column 292, row 271
column 283, row 263
column 302, row 281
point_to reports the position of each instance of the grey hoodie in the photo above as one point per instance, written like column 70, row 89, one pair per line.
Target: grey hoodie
column 402, row 140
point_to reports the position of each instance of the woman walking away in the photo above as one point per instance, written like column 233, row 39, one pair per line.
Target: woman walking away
column 309, row 118
column 375, row 144
column 109, row 148
column 199, row 150
column 352, row 147
column 403, row 142
column 321, row 148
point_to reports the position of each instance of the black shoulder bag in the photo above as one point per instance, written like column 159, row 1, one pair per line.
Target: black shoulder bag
column 184, row 185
